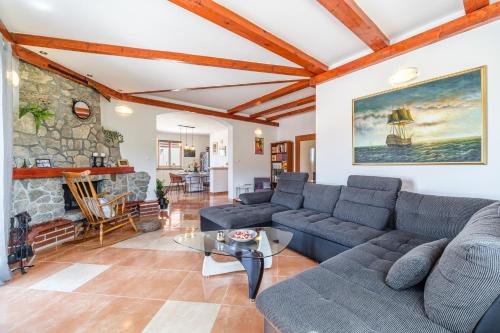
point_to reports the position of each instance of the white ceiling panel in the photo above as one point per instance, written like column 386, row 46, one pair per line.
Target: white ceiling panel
column 305, row 24
column 282, row 100
column 398, row 18
column 169, row 122
column 288, row 110
column 130, row 74
column 154, row 24
column 221, row 98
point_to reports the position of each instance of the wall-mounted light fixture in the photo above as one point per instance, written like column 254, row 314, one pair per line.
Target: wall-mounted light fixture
column 403, row 76
column 13, row 77
column 123, row 110
column 258, row 132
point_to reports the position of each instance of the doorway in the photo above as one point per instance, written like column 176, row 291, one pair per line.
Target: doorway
column 305, row 155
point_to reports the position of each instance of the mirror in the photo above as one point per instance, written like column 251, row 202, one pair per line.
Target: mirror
column 81, row 109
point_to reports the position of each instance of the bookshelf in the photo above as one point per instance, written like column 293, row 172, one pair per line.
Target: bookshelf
column 281, row 159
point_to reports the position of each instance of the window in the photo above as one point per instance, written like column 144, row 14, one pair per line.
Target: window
column 169, row 154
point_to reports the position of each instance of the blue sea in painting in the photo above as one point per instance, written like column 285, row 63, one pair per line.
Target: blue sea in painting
column 457, row 150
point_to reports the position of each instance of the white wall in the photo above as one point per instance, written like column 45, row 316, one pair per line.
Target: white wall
column 216, row 160
column 247, row 165
column 333, row 117
column 139, row 131
column 290, row 127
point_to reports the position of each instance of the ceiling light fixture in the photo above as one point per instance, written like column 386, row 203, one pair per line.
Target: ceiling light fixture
column 404, row 76
column 43, row 52
column 41, row 5
column 123, row 110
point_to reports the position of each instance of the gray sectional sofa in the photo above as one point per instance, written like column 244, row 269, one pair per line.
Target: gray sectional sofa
column 358, row 232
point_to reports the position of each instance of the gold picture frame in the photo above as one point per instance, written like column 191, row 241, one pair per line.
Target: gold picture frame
column 482, row 160
column 122, row 163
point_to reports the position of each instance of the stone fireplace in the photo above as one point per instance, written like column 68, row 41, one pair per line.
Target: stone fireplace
column 69, row 200
column 43, row 198
column 68, row 142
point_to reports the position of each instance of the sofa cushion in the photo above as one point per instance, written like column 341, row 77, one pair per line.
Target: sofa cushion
column 292, row 182
column 289, row 200
column 466, row 280
column 238, row 216
column 435, row 216
column 414, row 266
column 371, row 216
column 256, row 197
column 299, row 219
column 345, row 233
column 368, row 200
column 321, row 198
column 346, row 294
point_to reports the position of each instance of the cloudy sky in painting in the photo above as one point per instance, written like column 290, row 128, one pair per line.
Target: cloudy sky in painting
column 443, row 109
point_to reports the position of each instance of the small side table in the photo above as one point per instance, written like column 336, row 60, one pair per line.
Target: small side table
column 245, row 188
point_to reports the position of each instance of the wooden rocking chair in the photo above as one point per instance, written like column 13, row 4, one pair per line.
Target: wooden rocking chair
column 108, row 215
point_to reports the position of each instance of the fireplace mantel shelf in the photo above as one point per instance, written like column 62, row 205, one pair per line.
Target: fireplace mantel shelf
column 27, row 173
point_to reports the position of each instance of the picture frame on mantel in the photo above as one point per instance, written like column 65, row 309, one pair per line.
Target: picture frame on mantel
column 122, row 163
column 43, row 163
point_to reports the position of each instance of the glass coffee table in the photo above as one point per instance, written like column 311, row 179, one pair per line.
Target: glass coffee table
column 252, row 256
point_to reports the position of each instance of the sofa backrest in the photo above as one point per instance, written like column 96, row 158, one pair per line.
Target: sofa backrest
column 368, row 200
column 465, row 282
column 288, row 192
column 321, row 198
column 435, row 216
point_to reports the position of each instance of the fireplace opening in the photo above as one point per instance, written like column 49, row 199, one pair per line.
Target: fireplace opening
column 69, row 200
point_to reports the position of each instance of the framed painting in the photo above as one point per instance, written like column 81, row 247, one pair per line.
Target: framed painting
column 439, row 121
column 259, row 146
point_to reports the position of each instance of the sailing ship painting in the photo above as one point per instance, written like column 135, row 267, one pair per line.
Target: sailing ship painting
column 398, row 119
column 432, row 122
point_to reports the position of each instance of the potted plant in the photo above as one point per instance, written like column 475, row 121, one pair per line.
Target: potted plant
column 40, row 112
column 161, row 195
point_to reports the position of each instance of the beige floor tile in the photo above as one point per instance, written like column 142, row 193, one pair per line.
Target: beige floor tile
column 135, row 282
column 238, row 319
column 288, row 266
column 184, row 317
column 197, row 288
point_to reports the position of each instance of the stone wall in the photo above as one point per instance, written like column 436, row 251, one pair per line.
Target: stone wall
column 66, row 140
column 43, row 198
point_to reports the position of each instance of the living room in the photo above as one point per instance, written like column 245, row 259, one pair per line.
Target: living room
column 230, row 166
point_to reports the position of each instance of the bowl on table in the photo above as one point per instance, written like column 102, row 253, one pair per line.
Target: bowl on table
column 242, row 235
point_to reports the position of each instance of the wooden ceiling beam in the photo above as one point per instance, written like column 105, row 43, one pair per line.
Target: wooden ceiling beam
column 292, row 113
column 175, row 106
column 270, row 96
column 237, row 24
column 5, row 33
column 299, row 102
column 473, row 5
column 133, row 52
column 51, row 66
column 210, row 87
column 353, row 17
column 462, row 24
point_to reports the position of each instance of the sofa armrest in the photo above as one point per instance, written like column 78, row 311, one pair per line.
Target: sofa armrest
column 256, row 197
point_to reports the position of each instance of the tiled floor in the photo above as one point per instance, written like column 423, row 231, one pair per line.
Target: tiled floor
column 142, row 284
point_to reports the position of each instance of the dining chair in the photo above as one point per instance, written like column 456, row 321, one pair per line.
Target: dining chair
column 177, row 183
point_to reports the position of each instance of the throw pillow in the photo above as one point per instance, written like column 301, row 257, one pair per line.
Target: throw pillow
column 414, row 266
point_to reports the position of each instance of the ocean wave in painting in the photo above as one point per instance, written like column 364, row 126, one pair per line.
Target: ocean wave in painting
column 466, row 150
